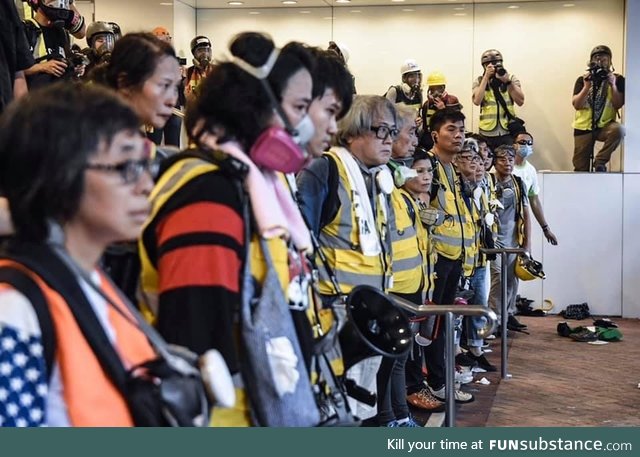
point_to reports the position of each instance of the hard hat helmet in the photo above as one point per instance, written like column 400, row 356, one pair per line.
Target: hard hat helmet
column 490, row 55
column 199, row 41
column 409, row 66
column 528, row 269
column 436, row 78
column 601, row 49
column 97, row 28
column 341, row 49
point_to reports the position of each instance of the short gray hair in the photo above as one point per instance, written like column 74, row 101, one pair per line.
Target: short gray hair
column 358, row 120
column 405, row 115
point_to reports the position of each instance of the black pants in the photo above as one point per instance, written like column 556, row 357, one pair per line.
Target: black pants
column 494, row 141
column 447, row 277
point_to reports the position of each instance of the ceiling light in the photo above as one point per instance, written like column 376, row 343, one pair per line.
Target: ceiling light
column 235, row 3
column 254, row 12
column 569, row 5
column 459, row 14
column 355, row 11
column 305, row 12
column 397, row 1
column 166, row 4
column 343, row 1
column 513, row 7
column 289, row 2
column 407, row 10
column 459, row 8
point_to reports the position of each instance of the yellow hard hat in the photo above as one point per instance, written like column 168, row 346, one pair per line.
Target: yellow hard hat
column 436, row 79
column 528, row 269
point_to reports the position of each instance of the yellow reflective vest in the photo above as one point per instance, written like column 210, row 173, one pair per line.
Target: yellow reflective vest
column 490, row 107
column 412, row 252
column 455, row 238
column 339, row 242
column 582, row 120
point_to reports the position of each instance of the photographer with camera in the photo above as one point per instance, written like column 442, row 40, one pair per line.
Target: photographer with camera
column 597, row 97
column 410, row 91
column 48, row 37
column 495, row 92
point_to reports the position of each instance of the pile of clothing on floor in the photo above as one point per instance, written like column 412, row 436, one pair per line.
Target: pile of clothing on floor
column 602, row 331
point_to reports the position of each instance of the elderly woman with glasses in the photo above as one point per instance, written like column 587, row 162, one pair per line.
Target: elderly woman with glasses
column 70, row 196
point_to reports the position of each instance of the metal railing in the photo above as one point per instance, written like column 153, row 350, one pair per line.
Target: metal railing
column 449, row 311
column 504, row 252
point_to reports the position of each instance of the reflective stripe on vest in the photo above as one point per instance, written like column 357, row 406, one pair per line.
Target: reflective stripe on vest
column 40, row 48
column 339, row 242
column 89, row 395
column 409, row 252
column 582, row 120
column 455, row 238
column 489, row 110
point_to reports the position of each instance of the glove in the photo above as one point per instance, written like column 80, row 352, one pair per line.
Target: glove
column 430, row 216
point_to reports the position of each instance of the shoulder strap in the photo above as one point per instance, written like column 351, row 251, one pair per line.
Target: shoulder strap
column 498, row 95
column 29, row 288
column 410, row 210
column 43, row 261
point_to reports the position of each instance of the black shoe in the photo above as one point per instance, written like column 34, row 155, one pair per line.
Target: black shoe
column 600, row 169
column 466, row 360
column 515, row 323
column 482, row 362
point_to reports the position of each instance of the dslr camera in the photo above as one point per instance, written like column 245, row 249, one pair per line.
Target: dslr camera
column 500, row 70
column 597, row 73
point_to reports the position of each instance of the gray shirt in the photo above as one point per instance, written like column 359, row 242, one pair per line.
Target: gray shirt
column 507, row 233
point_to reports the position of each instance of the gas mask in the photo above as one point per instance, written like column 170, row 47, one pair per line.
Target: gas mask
column 60, row 15
column 524, row 150
column 202, row 57
column 277, row 148
column 104, row 43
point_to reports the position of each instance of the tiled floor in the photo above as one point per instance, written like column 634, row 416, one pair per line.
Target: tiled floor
column 557, row 381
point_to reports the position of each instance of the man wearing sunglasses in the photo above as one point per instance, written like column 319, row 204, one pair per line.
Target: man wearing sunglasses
column 529, row 175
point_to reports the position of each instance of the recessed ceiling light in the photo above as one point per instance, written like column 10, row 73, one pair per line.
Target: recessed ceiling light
column 407, row 10
column 289, row 2
column 513, row 7
column 343, row 1
column 166, row 3
column 305, row 12
column 254, row 12
column 355, row 11
column 459, row 14
column 235, row 3
column 397, row 1
column 569, row 5
column 459, row 8
column 327, row 17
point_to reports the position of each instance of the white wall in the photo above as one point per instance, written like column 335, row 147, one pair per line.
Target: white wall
column 184, row 28
column 283, row 24
column 134, row 16
column 632, row 106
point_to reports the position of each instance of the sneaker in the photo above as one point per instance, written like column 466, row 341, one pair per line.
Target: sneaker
column 483, row 363
column 408, row 422
column 424, row 399
column 490, row 337
column 464, row 375
column 464, row 360
column 461, row 397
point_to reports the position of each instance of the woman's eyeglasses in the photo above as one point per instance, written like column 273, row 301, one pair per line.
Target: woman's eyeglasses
column 130, row 170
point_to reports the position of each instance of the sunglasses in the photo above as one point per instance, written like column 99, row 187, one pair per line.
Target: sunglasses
column 525, row 142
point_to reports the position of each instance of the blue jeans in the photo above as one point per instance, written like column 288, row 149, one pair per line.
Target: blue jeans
column 480, row 297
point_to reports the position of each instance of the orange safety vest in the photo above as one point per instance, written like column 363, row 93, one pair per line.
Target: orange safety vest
column 91, row 398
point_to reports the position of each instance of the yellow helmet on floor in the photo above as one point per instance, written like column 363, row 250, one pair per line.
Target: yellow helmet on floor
column 528, row 269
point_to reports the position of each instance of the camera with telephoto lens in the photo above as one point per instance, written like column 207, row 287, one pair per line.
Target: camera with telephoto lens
column 597, row 73
column 78, row 59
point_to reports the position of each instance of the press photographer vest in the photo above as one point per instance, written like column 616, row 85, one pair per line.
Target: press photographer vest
column 455, row 238
column 411, row 256
column 490, row 110
column 339, row 243
column 90, row 396
column 401, row 97
column 582, row 120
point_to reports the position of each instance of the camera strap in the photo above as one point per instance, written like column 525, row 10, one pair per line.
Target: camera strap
column 500, row 99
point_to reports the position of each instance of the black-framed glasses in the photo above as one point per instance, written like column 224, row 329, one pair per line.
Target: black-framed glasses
column 130, row 170
column 383, row 132
column 525, row 142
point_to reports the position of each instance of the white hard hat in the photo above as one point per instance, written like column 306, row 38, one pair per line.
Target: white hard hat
column 409, row 66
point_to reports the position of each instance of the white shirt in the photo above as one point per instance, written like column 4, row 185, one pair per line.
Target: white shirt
column 529, row 176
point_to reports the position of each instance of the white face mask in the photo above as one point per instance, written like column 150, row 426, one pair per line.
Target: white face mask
column 304, row 131
column 525, row 150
